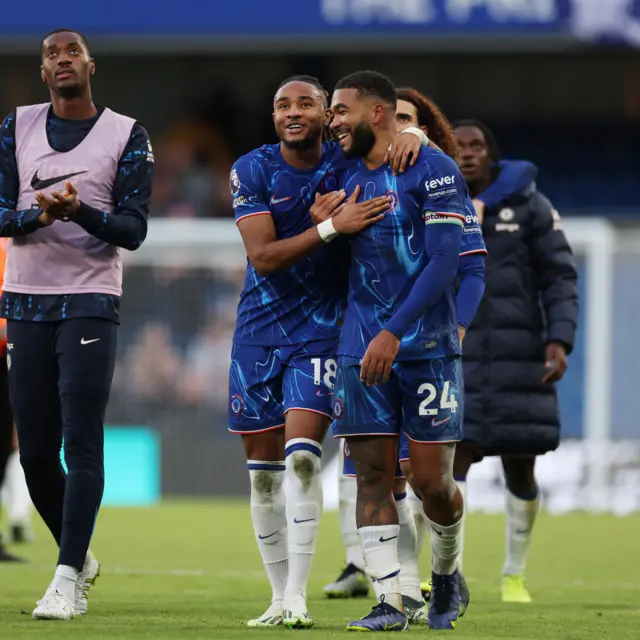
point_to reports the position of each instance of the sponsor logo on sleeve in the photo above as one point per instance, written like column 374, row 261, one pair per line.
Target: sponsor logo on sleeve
column 240, row 201
column 441, row 187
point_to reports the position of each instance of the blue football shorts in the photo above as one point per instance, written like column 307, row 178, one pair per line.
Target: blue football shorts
column 424, row 399
column 266, row 382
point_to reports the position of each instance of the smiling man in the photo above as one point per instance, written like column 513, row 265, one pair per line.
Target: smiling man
column 62, row 290
column 283, row 356
column 399, row 368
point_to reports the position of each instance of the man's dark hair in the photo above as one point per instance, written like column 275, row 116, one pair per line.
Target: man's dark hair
column 370, row 84
column 314, row 82
column 489, row 138
column 82, row 38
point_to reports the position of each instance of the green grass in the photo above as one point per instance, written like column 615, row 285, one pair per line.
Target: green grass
column 191, row 570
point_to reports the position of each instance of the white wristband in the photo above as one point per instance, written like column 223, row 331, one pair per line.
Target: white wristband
column 327, row 231
column 420, row 133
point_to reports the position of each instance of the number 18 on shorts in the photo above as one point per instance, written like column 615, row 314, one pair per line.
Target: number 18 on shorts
column 266, row 382
column 424, row 399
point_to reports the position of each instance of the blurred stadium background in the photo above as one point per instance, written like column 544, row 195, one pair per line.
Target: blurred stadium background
column 557, row 80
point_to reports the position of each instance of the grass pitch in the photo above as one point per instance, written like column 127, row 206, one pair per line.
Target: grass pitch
column 192, row 570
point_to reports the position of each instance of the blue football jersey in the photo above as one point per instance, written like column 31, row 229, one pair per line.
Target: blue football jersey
column 388, row 257
column 303, row 302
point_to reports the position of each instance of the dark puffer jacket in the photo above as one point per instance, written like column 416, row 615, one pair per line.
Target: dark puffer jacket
column 531, row 299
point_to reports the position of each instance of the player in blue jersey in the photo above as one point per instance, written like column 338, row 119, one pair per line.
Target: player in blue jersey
column 416, row 110
column 399, row 352
column 284, row 347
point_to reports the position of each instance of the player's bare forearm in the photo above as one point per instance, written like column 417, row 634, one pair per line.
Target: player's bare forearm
column 271, row 256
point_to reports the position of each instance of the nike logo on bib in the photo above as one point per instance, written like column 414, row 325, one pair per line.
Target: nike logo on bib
column 83, row 341
column 37, row 184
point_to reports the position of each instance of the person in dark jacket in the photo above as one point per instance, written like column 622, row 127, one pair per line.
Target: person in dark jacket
column 517, row 345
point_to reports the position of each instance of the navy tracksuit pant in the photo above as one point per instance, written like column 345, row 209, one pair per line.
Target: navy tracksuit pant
column 60, row 377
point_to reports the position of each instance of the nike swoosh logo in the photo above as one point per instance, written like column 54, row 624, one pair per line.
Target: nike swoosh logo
column 437, row 423
column 269, row 536
column 296, row 521
column 436, row 531
column 279, row 200
column 37, row 184
column 83, row 341
column 387, row 539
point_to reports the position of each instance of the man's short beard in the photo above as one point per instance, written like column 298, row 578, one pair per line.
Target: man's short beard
column 362, row 140
column 69, row 92
column 307, row 143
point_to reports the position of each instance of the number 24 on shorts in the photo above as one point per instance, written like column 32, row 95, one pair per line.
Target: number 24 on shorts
column 330, row 369
column 446, row 401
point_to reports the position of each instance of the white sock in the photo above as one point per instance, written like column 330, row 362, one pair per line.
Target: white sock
column 462, row 485
column 380, row 549
column 64, row 581
column 409, row 577
column 304, row 509
column 347, row 494
column 445, row 547
column 269, row 521
column 521, row 515
column 419, row 519
column 20, row 507
column 15, row 494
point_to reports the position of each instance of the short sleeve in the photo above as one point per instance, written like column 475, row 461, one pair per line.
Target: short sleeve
column 248, row 188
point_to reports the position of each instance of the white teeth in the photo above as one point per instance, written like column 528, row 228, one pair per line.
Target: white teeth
column 294, row 127
column 342, row 136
